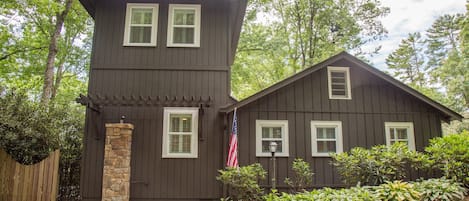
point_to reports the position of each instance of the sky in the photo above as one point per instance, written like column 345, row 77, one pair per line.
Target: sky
column 408, row 16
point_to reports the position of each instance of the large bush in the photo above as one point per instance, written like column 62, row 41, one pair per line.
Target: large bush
column 377, row 165
column 427, row 190
column 27, row 129
column 243, row 181
column 451, row 155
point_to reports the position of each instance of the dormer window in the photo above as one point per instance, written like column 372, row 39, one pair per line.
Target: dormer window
column 141, row 22
column 184, row 25
column 339, row 82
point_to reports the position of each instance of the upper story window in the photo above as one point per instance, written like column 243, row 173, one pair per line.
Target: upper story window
column 400, row 132
column 326, row 137
column 180, row 132
column 271, row 131
column 339, row 82
column 141, row 22
column 184, row 25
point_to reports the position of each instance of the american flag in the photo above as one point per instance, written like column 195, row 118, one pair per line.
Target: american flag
column 233, row 151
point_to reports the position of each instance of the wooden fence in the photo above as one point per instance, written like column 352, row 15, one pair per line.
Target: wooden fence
column 38, row 182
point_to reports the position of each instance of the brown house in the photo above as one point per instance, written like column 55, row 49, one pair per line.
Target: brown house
column 165, row 66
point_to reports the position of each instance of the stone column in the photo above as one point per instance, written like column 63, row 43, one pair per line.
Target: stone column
column 116, row 171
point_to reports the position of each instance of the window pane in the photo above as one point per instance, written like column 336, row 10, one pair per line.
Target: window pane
column 180, row 123
column 391, row 133
column 183, row 35
column 179, row 144
column 186, row 144
column 140, row 34
column 401, row 133
column 266, row 132
column 277, row 132
column 326, row 146
column 266, row 147
column 325, row 133
column 174, row 144
column 184, row 16
column 142, row 16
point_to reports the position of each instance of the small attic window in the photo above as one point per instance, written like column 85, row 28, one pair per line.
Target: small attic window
column 141, row 22
column 339, row 82
column 184, row 25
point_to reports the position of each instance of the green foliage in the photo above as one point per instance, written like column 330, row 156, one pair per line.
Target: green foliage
column 397, row 191
column 426, row 190
column 303, row 175
column 243, row 181
column 377, row 165
column 407, row 62
column 451, row 154
column 280, row 37
column 327, row 194
column 440, row 190
column 27, row 130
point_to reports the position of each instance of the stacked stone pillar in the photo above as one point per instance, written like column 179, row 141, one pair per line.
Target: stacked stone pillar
column 116, row 171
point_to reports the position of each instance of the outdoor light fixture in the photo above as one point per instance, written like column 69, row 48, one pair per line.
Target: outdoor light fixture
column 273, row 149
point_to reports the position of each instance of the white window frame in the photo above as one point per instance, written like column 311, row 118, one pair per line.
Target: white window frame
column 410, row 132
column 196, row 8
column 330, row 69
column 194, row 111
column 272, row 123
column 338, row 139
column 154, row 25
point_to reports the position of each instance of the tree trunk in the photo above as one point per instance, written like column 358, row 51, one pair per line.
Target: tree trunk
column 49, row 72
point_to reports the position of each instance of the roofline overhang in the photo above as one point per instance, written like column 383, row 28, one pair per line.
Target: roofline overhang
column 449, row 114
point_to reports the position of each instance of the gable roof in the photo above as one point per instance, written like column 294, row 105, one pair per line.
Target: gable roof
column 450, row 114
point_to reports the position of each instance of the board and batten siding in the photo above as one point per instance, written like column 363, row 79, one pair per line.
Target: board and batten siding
column 158, row 71
column 373, row 102
column 109, row 52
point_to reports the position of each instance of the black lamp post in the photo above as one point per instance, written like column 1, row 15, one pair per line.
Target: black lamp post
column 273, row 149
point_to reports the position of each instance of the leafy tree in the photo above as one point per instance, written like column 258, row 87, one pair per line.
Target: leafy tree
column 280, row 37
column 442, row 37
column 407, row 62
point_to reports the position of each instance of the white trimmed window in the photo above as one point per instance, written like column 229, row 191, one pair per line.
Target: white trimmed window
column 141, row 23
column 400, row 132
column 271, row 131
column 339, row 82
column 326, row 137
column 184, row 25
column 180, row 132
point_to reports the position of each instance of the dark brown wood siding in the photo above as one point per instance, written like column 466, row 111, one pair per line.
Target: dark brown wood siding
column 152, row 176
column 373, row 102
column 109, row 53
column 118, row 71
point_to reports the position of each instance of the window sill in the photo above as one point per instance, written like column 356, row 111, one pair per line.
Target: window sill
column 340, row 98
column 270, row 156
column 183, row 45
column 179, row 156
column 139, row 45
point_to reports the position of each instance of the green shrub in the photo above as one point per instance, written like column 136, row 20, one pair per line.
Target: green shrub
column 397, row 191
column 327, row 194
column 440, row 190
column 243, row 181
column 377, row 165
column 426, row 190
column 451, row 155
column 27, row 129
column 303, row 176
